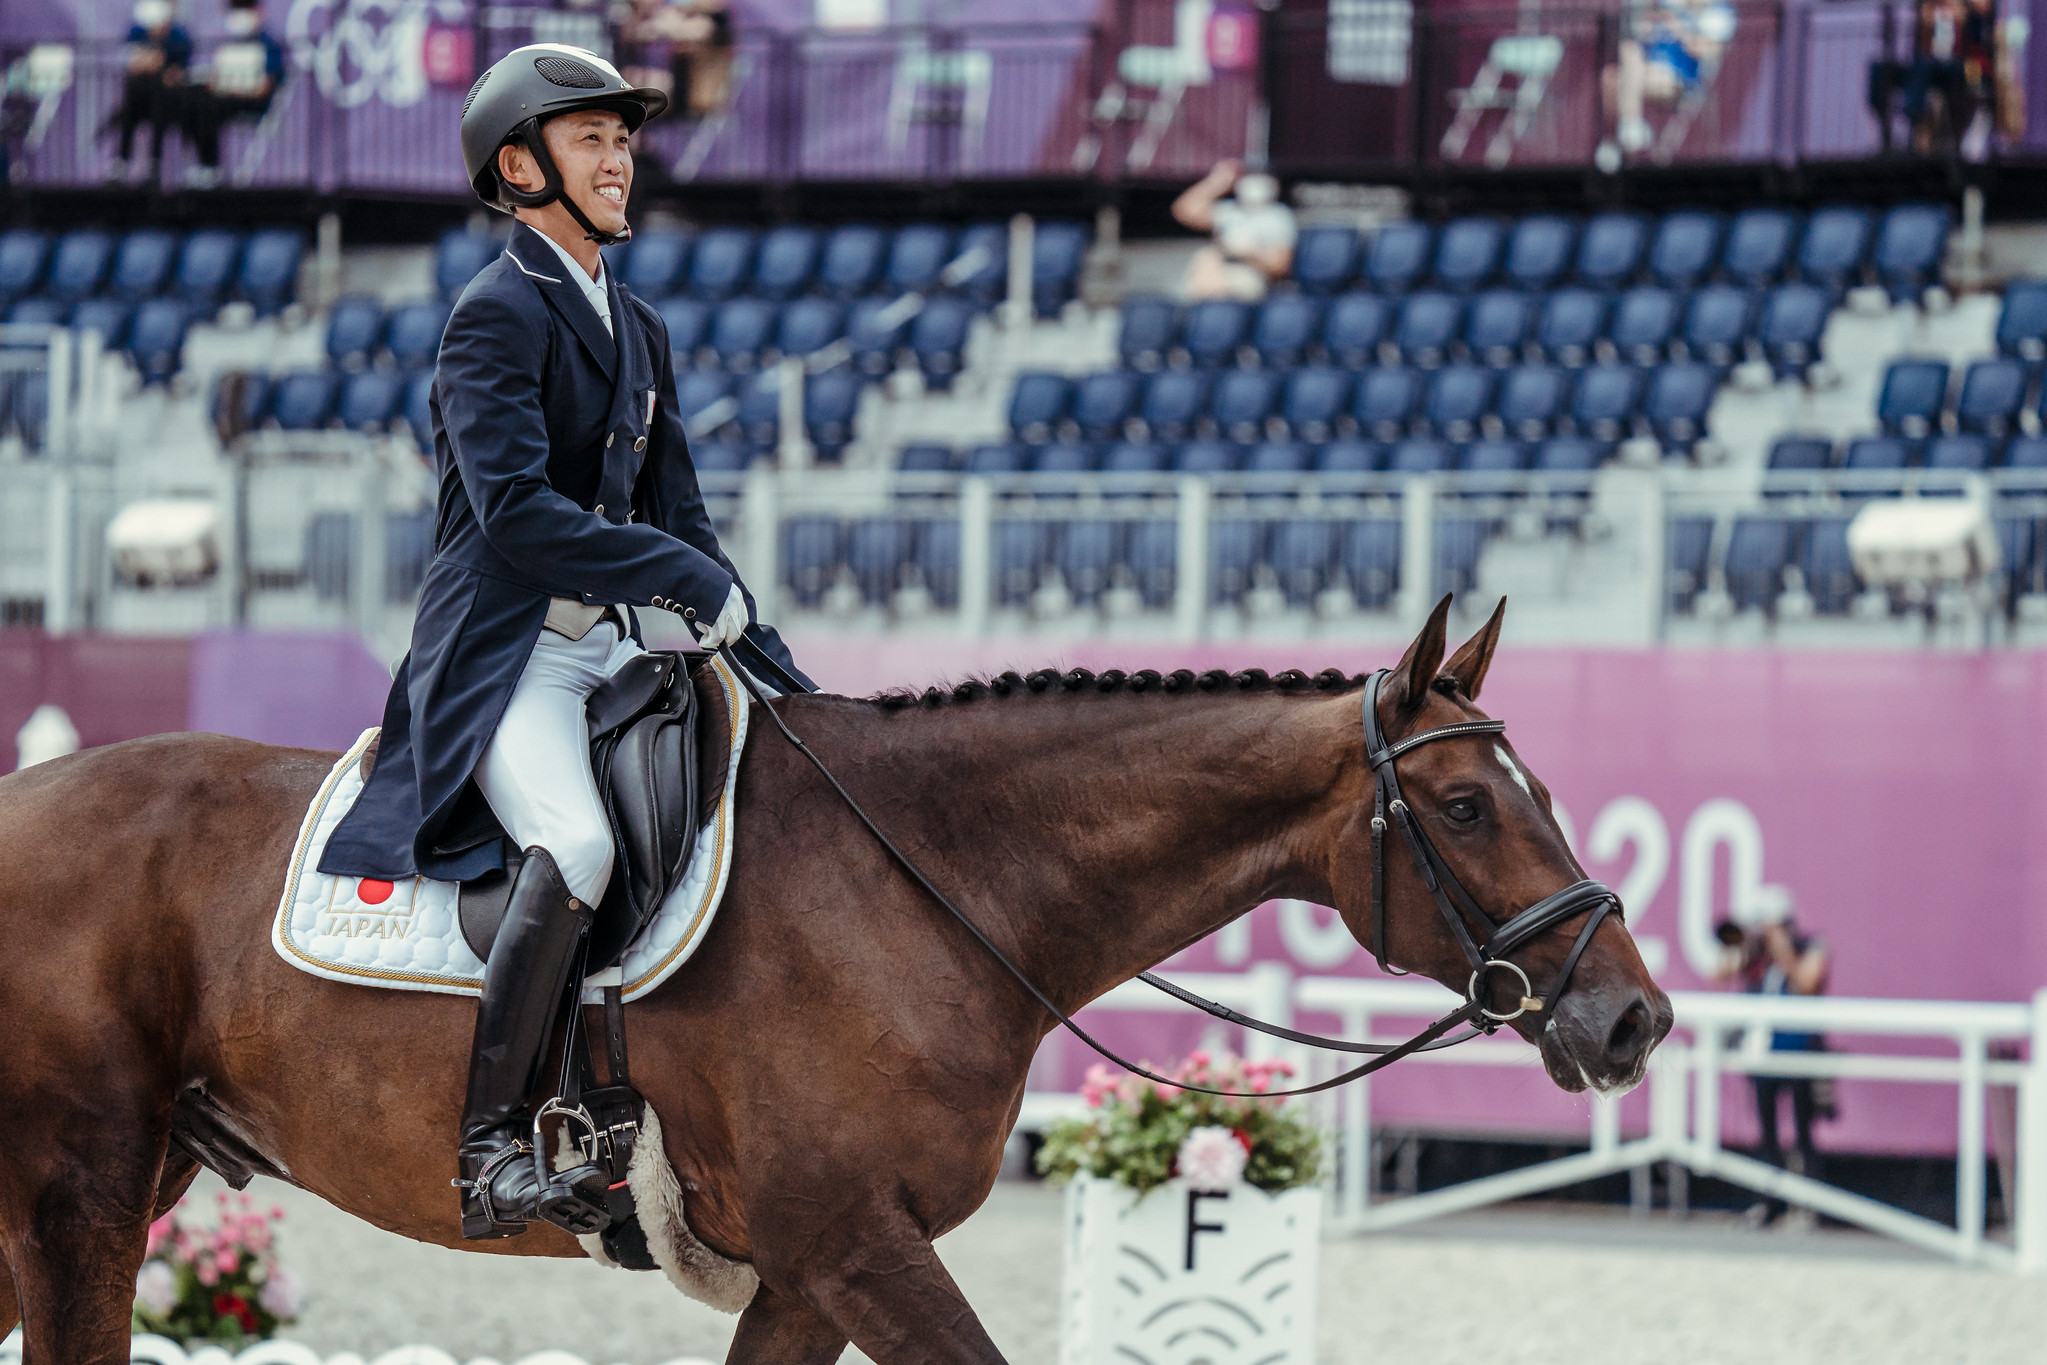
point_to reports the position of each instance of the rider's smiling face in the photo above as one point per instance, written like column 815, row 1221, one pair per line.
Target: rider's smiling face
column 593, row 152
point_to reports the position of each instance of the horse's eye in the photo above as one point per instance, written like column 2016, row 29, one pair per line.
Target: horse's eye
column 1463, row 812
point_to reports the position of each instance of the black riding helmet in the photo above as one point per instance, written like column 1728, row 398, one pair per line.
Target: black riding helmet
column 528, row 86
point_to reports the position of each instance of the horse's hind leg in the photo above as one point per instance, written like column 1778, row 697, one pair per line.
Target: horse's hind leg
column 780, row 1331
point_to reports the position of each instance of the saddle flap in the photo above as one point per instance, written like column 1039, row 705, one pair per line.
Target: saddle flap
column 480, row 907
column 646, row 768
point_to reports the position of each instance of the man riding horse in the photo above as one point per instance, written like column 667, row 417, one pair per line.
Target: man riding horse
column 567, row 497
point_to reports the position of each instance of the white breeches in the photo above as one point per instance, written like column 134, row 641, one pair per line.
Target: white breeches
column 536, row 771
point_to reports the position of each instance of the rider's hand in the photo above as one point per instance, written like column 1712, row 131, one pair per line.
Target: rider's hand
column 730, row 625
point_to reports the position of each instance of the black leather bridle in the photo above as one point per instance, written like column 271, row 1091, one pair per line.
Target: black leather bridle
column 1451, row 898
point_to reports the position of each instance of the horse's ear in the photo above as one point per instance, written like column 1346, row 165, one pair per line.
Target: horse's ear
column 1469, row 664
column 1418, row 667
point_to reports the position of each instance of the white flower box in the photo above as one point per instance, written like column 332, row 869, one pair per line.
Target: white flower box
column 1178, row 1277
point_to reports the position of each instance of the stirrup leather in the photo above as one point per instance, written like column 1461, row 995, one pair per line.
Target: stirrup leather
column 480, row 1187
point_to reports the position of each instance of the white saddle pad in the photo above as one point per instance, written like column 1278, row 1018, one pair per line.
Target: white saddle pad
column 406, row 936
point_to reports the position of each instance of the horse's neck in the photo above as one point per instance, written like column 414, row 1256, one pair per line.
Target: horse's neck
column 1097, row 835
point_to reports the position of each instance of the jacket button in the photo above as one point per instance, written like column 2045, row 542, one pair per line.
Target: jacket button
column 689, row 613
column 640, row 444
column 600, row 509
column 609, row 437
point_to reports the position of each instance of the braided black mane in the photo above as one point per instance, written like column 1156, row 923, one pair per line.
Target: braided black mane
column 1116, row 680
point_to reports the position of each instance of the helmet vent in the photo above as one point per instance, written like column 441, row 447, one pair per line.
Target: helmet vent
column 563, row 71
column 474, row 91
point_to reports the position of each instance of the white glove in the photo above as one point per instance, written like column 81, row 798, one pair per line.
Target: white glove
column 730, row 625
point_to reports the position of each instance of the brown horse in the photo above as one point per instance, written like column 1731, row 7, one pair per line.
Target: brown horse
column 841, row 1065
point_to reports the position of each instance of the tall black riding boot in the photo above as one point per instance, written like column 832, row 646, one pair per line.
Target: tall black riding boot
column 523, row 985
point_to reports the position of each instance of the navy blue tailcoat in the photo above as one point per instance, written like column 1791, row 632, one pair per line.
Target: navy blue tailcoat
column 564, row 472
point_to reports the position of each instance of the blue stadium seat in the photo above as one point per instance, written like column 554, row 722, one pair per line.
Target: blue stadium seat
column 876, row 330
column 1325, row 258
column 938, row 338
column 1038, row 405
column 1569, row 455
column 1458, row 396
column 1151, row 326
column 108, row 317
column 1299, row 555
column 206, row 267
column 720, row 457
column 1384, row 401
column 1173, row 402
column 1420, row 455
column 1913, row 394
column 654, row 261
column 1835, row 244
column 2025, row 452
column 412, row 334
column 810, row 557
column 1207, row 457
column 1802, row 452
column 1313, row 400
column 369, row 399
column 1992, row 393
column 303, row 400
column 1427, row 324
column 156, row 338
column 1214, row 331
column 1964, row 450
column 740, row 331
column 1644, row 320
column 1605, row 400
column 1349, row 455
column 1571, row 324
column 1539, row 251
column 1717, row 324
column 142, row 265
column 809, row 325
column 1370, row 559
column 1104, row 403
column 458, row 257
column 1685, row 249
column 79, row 265
column 1058, row 251
column 919, row 252
column 852, row 260
column 2018, row 539
column 1758, row 247
column 23, row 254
column 1610, row 249
column 353, row 329
column 787, row 257
column 926, row 459
column 1153, row 553
column 1911, row 245
column 1235, row 549
column 1286, row 329
column 1689, row 545
column 1398, row 256
column 1497, row 325
column 269, row 274
column 877, row 552
column 995, row 459
column 1828, row 569
column 1467, row 253
column 979, row 269
column 1793, row 323
column 689, row 325
column 2021, row 323
column 1531, row 398
column 1020, row 554
column 697, row 391
column 1354, row 327
column 1241, row 402
column 1878, row 453
column 1677, row 400
column 1088, row 553
column 1459, row 543
column 830, row 403
column 418, row 408
column 721, row 262
column 1757, row 553
column 1495, row 455
column 38, row 311
column 1277, row 457
column 759, row 422
column 1133, row 457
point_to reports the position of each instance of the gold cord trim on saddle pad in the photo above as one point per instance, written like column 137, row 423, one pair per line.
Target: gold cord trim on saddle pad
column 407, row 935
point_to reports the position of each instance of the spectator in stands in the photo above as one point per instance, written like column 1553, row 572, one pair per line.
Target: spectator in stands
column 247, row 69
column 1672, row 51
column 682, row 47
column 159, row 51
column 1254, row 233
column 1778, row 958
column 1938, row 44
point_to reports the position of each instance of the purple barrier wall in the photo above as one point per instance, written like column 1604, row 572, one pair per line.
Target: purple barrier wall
column 112, row 688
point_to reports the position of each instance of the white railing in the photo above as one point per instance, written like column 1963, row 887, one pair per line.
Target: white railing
column 1686, row 1118
column 163, row 1351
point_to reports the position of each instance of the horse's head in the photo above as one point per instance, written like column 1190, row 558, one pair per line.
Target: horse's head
column 1488, row 819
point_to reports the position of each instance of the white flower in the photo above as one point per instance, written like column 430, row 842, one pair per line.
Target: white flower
column 156, row 1288
column 1212, row 1160
column 282, row 1297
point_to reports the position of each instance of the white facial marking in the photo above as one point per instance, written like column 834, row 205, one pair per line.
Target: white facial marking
column 1513, row 768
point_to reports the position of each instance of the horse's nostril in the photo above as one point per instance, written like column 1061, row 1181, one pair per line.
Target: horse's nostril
column 1630, row 1032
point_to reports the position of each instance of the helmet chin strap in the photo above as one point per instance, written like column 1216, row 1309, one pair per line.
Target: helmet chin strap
column 551, row 189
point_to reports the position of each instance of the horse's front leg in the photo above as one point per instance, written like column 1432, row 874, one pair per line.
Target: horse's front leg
column 777, row 1330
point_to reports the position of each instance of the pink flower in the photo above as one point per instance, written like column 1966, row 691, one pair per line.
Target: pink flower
column 277, row 1213
column 226, row 1261
column 1212, row 1160
column 156, row 1288
column 1100, row 1084
column 282, row 1297
column 159, row 1233
column 207, row 1273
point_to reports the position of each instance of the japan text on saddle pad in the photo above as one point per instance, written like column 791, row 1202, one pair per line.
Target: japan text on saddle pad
column 407, row 935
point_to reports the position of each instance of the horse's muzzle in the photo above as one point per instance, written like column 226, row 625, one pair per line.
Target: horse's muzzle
column 1601, row 1039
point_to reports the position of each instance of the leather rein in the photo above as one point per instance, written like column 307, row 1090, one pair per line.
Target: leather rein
column 1388, row 807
